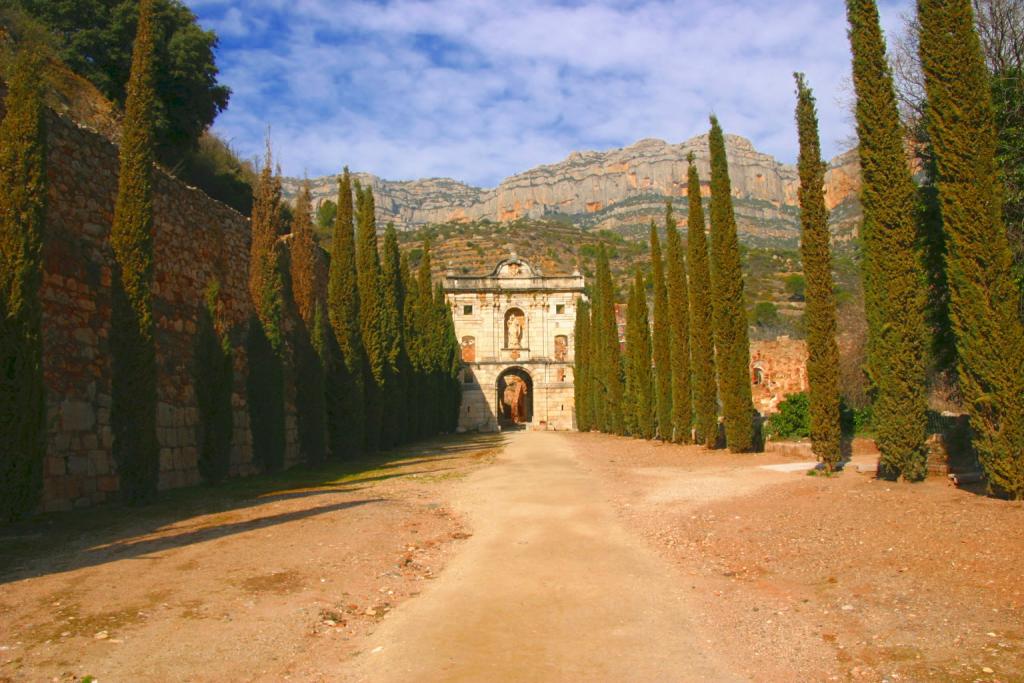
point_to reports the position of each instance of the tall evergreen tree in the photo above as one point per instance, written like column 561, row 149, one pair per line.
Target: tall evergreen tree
column 371, row 317
column 679, row 332
column 426, row 336
column 213, row 379
column 581, row 367
column 133, row 346
column 702, row 320
column 307, row 344
column 609, row 355
column 662, row 341
column 894, row 293
column 639, row 405
column 265, row 342
column 392, row 310
column 345, row 380
column 410, row 335
column 983, row 299
column 823, row 352
column 732, row 342
column 598, row 406
column 449, row 364
column 22, row 216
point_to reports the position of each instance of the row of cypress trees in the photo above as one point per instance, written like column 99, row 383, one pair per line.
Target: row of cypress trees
column 983, row 301
column 374, row 356
column 673, row 376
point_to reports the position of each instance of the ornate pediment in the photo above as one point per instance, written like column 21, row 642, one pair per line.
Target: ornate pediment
column 514, row 267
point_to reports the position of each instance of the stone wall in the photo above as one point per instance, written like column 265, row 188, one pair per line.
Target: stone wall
column 196, row 239
column 778, row 368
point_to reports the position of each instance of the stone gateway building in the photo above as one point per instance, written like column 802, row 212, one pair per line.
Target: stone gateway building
column 515, row 326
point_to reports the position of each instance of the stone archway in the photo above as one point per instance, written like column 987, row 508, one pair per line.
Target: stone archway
column 515, row 398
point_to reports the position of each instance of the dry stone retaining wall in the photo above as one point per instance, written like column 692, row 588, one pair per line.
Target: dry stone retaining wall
column 196, row 239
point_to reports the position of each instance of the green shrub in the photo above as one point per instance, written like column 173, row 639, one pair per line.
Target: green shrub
column 793, row 421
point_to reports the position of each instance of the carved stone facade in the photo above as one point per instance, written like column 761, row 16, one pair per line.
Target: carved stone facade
column 515, row 326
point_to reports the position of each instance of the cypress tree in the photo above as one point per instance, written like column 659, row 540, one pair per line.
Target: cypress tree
column 639, row 405
column 22, row 216
column 894, row 292
column 823, row 353
column 370, row 316
column 983, row 299
column 265, row 343
column 427, row 336
column 306, row 290
column 265, row 282
column 392, row 307
column 662, row 341
column 133, row 346
column 609, row 356
column 702, row 321
column 732, row 343
column 581, row 366
column 598, row 406
column 679, row 332
column 449, row 364
column 345, row 382
column 410, row 332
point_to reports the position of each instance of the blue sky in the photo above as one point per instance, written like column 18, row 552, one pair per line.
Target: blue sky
column 480, row 90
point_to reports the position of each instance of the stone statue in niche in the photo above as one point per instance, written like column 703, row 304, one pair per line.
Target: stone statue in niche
column 469, row 349
column 514, row 399
column 561, row 347
column 514, row 331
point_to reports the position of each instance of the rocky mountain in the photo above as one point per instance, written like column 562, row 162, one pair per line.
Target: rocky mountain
column 620, row 190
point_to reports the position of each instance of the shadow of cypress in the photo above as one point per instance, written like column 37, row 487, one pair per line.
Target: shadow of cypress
column 265, row 394
column 213, row 375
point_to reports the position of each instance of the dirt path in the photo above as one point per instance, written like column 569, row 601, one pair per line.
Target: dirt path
column 550, row 587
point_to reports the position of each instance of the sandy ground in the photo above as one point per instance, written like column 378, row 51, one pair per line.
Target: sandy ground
column 551, row 587
column 805, row 578
column 529, row 557
column 263, row 580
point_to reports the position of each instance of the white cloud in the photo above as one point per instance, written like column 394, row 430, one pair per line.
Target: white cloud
column 480, row 90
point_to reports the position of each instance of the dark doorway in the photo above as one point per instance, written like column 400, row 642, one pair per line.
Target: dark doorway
column 515, row 399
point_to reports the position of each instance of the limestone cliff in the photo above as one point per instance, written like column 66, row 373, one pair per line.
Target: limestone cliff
column 621, row 189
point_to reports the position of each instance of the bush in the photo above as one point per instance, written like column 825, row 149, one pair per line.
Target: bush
column 793, row 421
column 216, row 169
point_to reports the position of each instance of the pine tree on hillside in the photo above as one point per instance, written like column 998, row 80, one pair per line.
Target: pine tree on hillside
column 732, row 342
column 983, row 298
column 265, row 342
column 702, row 320
column 639, row 398
column 22, row 218
column 345, row 381
column 679, row 332
column 392, row 309
column 894, row 295
column 581, row 366
column 134, row 372
column 370, row 315
column 609, row 361
column 307, row 295
column 662, row 341
column 820, row 315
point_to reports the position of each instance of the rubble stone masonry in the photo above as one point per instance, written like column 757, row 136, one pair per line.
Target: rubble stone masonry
column 196, row 239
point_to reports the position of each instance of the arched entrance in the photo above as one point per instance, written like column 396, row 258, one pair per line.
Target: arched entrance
column 515, row 398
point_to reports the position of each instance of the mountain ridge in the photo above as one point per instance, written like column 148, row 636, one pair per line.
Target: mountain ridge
column 620, row 189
